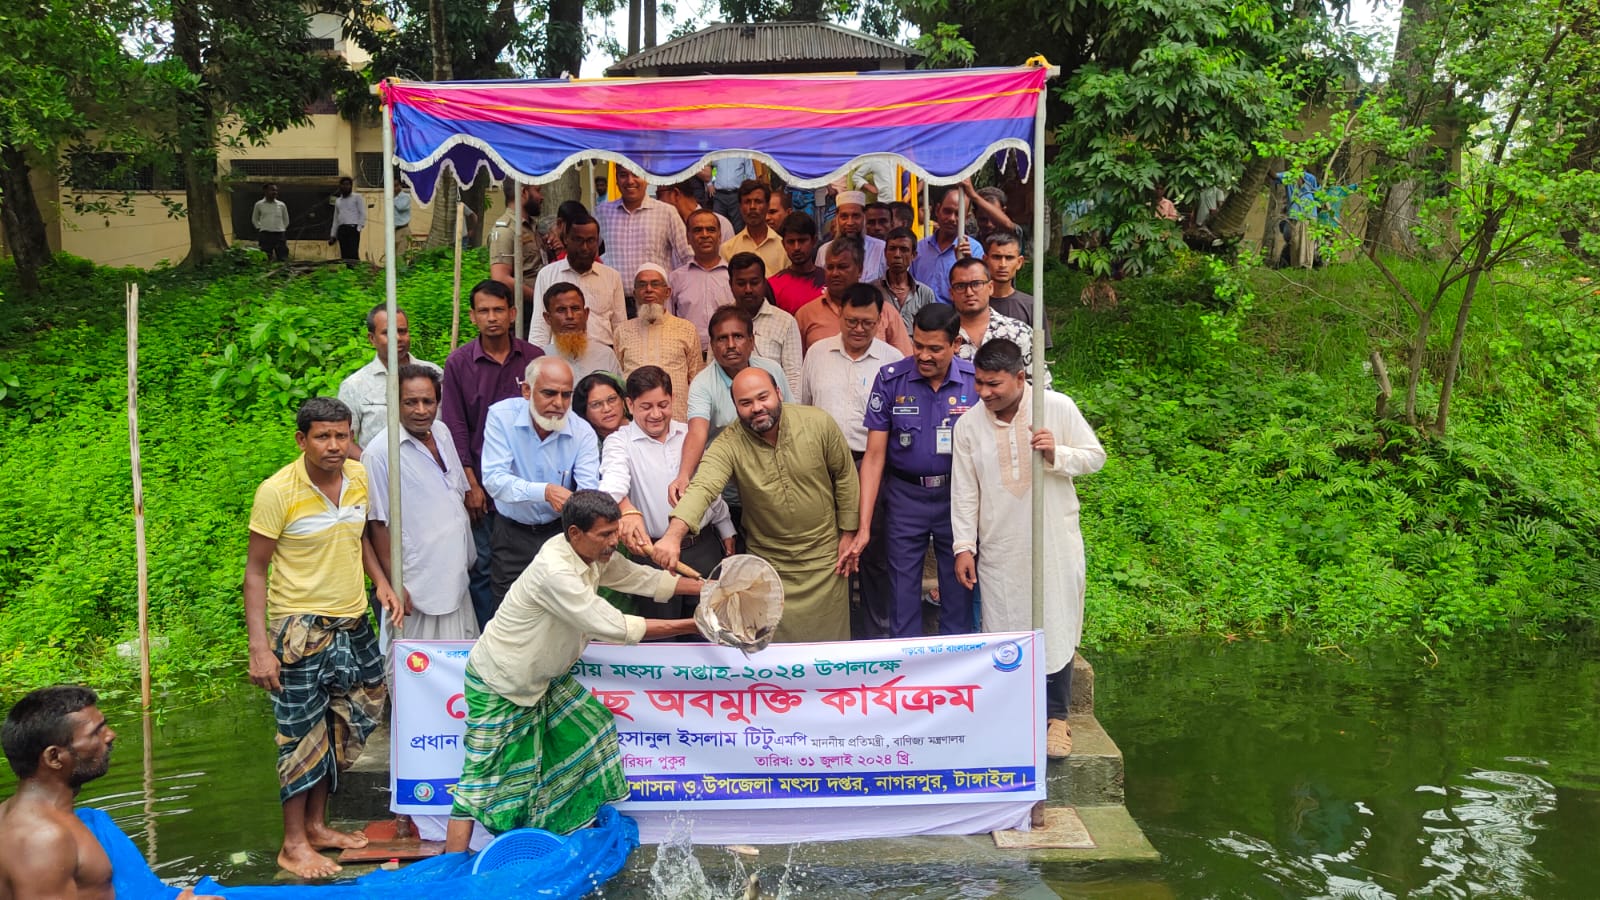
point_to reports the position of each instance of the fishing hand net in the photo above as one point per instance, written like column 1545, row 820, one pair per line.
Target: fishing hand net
column 741, row 603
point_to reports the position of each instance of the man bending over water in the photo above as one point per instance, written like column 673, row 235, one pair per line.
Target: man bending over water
column 56, row 741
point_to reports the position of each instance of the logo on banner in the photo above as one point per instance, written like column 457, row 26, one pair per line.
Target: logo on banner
column 417, row 662
column 1007, row 656
column 423, row 792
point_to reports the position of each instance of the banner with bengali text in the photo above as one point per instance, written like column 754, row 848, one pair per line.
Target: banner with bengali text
column 941, row 721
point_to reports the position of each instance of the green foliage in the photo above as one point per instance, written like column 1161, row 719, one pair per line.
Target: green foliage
column 1248, row 487
column 67, row 573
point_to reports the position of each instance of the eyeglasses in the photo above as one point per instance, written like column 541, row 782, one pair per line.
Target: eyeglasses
column 605, row 403
column 652, row 285
column 967, row 287
column 859, row 324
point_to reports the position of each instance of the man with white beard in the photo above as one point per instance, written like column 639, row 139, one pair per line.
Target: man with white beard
column 659, row 338
column 536, row 452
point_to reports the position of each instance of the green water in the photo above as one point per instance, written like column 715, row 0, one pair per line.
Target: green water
column 1258, row 769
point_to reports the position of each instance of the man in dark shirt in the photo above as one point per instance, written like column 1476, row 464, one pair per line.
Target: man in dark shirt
column 477, row 375
column 1002, row 252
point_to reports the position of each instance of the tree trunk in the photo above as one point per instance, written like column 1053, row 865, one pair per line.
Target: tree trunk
column 1229, row 220
column 1414, row 364
column 563, row 39
column 635, row 13
column 649, row 23
column 23, row 224
column 197, row 138
column 443, row 226
column 1391, row 223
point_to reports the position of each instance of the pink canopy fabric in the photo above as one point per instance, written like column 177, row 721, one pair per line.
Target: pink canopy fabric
column 941, row 125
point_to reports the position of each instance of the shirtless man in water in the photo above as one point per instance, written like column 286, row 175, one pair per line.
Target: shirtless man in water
column 56, row 741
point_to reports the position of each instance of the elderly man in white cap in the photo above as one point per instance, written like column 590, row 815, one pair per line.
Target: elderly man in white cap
column 659, row 338
column 851, row 219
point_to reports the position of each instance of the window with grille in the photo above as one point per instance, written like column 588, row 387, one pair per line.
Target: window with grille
column 286, row 168
column 122, row 172
column 369, row 170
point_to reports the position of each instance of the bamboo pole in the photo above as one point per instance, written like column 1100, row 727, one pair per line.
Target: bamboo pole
column 455, row 285
column 516, row 255
column 142, row 561
column 1039, row 384
column 392, row 367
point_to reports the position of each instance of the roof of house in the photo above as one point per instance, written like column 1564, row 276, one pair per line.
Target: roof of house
column 729, row 47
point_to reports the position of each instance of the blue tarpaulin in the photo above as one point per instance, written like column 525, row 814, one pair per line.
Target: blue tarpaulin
column 588, row 859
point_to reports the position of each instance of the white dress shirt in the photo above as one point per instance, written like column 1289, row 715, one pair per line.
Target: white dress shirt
column 351, row 210
column 435, row 533
column 602, row 293
column 639, row 467
column 839, row 385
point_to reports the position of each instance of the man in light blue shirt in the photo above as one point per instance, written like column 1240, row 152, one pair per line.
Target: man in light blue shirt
column 536, row 452
column 937, row 252
column 726, row 176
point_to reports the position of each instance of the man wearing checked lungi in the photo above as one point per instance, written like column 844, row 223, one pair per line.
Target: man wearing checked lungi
column 541, row 751
column 311, row 645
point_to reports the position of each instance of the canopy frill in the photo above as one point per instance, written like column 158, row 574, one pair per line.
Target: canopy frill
column 810, row 129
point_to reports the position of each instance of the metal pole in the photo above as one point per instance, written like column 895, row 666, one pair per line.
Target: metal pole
column 516, row 252
column 138, row 497
column 455, row 286
column 1039, row 385
column 392, row 370
column 961, row 219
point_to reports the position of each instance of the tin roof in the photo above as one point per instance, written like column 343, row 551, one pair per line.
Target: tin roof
column 731, row 47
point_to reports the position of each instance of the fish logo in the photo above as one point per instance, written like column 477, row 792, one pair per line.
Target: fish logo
column 1007, row 656
column 423, row 792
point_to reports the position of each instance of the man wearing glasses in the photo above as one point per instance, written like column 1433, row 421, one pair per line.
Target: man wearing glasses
column 905, row 475
column 970, row 289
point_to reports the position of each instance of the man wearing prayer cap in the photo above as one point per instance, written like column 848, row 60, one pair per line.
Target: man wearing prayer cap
column 659, row 338
column 851, row 221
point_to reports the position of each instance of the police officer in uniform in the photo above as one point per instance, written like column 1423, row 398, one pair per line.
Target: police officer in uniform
column 911, row 416
column 503, row 238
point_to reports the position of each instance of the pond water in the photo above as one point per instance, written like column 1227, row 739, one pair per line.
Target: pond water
column 1258, row 769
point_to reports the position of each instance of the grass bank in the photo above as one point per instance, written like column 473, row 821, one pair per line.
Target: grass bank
column 1248, row 487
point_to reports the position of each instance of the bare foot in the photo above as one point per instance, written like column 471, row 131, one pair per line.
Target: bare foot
column 306, row 862
column 1036, row 815
column 324, row 838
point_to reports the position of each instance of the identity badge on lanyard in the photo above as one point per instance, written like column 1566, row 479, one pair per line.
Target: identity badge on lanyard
column 942, row 439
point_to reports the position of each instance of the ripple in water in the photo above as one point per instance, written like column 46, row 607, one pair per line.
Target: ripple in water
column 1477, row 836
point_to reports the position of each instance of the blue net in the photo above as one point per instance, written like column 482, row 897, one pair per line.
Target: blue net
column 585, row 860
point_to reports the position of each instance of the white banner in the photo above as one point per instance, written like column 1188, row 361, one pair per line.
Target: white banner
column 943, row 722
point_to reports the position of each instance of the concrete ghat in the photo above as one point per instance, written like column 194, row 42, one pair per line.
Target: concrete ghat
column 1090, row 780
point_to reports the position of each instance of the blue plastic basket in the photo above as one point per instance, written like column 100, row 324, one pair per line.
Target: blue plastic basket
column 518, row 846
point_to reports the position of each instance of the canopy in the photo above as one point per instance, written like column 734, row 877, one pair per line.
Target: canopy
column 811, row 129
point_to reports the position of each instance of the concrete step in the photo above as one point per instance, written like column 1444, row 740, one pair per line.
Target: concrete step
column 1082, row 700
column 1092, row 775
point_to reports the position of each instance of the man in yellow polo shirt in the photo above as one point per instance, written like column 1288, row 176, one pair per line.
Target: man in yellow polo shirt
column 311, row 645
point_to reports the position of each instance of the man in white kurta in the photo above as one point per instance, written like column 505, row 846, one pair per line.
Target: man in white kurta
column 435, row 534
column 991, row 514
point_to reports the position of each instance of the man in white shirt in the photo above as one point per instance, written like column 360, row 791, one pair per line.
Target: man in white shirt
column 777, row 335
column 349, row 218
column 636, row 468
column 270, row 218
column 837, row 376
column 851, row 220
column 435, row 534
column 402, row 215
column 541, row 751
column 566, row 314
column 366, row 390
column 601, row 285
